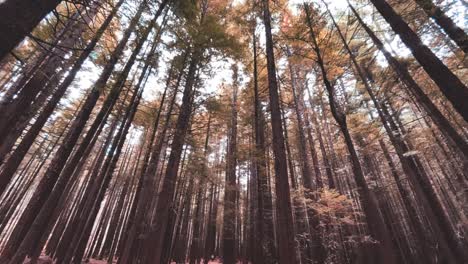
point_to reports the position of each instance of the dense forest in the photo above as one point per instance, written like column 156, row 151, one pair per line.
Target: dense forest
column 234, row 131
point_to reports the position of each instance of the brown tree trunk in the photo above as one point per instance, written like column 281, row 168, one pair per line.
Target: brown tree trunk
column 196, row 247
column 15, row 116
column 52, row 174
column 164, row 203
column 421, row 184
column 150, row 165
column 375, row 222
column 449, row 84
column 18, row 155
column 411, row 211
column 18, row 19
column 323, row 151
column 437, row 117
column 230, row 192
column 210, row 240
column 315, row 241
column 446, row 23
column 264, row 222
column 286, row 244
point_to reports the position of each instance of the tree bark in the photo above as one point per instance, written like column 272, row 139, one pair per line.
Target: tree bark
column 230, row 190
column 286, row 244
column 446, row 23
column 16, row 115
column 315, row 242
column 19, row 18
column 165, row 203
column 375, row 222
column 456, row 140
column 150, row 165
column 449, row 84
column 18, row 155
column 265, row 208
column 58, row 162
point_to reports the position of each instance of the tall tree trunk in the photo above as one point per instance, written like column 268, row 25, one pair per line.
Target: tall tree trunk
column 150, row 165
column 210, row 241
column 376, row 224
column 411, row 210
column 455, row 139
column 18, row 155
column 449, row 84
column 164, row 202
column 286, row 243
column 315, row 241
column 18, row 19
column 420, row 233
column 323, row 151
column 52, row 174
column 16, row 115
column 422, row 185
column 39, row 225
column 108, row 171
column 446, row 23
column 265, row 207
column 231, row 191
column 196, row 245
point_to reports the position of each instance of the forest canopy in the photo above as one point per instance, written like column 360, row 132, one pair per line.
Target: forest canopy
column 234, row 131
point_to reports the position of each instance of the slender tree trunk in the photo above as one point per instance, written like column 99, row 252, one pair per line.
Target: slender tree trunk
column 108, row 170
column 148, row 171
column 315, row 241
column 164, row 203
column 376, row 224
column 446, row 23
column 18, row 19
column 210, row 240
column 420, row 233
column 151, row 165
column 437, row 117
column 98, row 181
column 286, row 244
column 265, row 207
column 18, row 155
column 51, row 176
column 326, row 161
column 449, row 84
column 230, row 192
column 448, row 231
column 17, row 114
column 197, row 245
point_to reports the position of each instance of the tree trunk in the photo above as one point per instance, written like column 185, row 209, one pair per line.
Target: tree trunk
column 449, row 84
column 19, row 18
column 420, row 233
column 376, row 224
column 107, row 171
column 455, row 139
column 326, row 161
column 18, row 155
column 52, row 174
column 230, row 192
column 315, row 241
column 446, row 23
column 422, row 185
column 286, row 244
column 16, row 115
column 164, row 203
column 265, row 207
column 150, row 165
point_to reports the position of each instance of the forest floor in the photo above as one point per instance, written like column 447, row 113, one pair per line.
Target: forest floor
column 47, row 260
